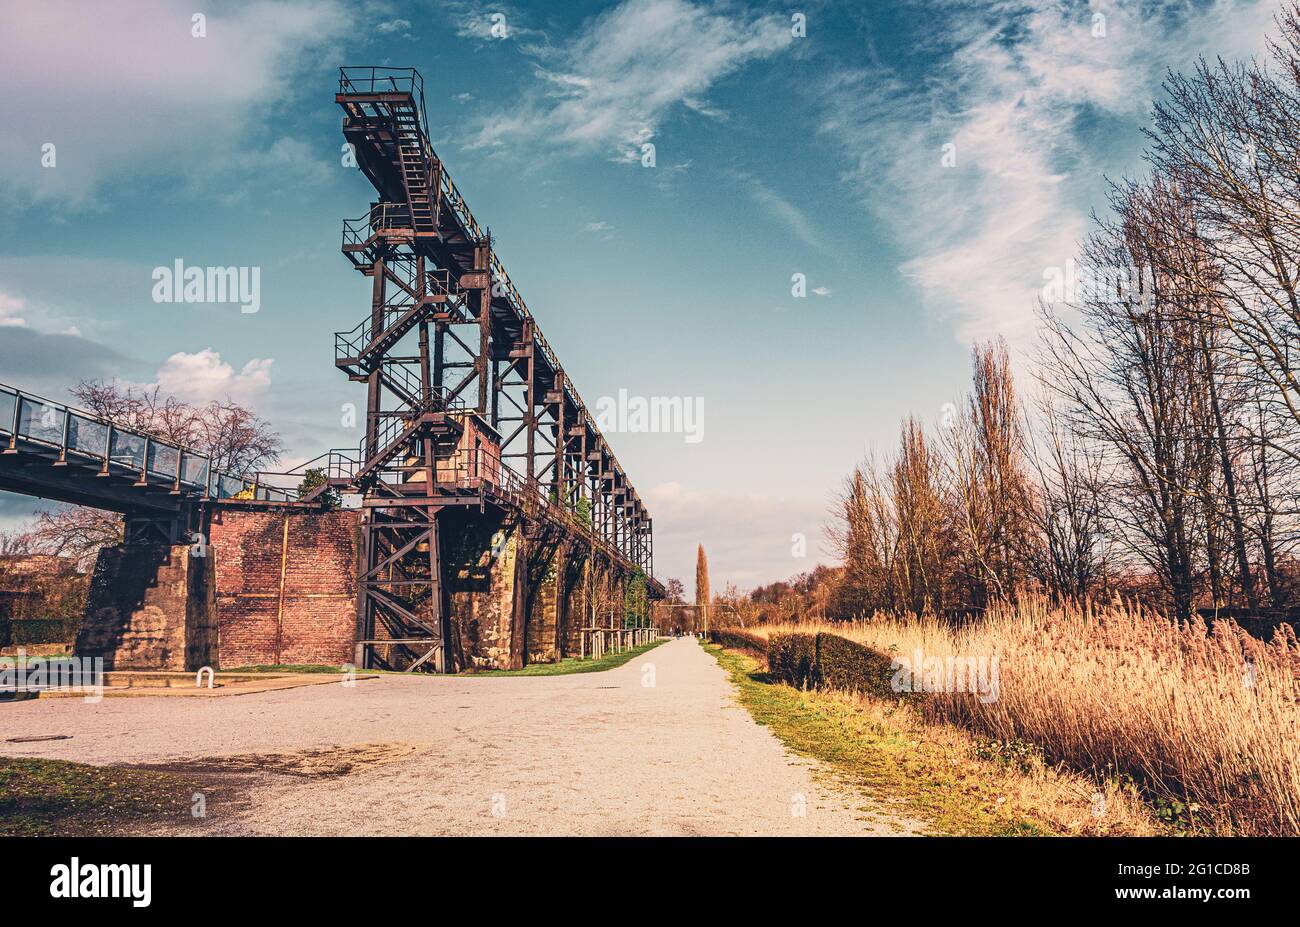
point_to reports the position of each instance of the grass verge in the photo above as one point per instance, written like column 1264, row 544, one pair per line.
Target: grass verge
column 41, row 798
column 563, row 668
column 940, row 775
column 573, row 665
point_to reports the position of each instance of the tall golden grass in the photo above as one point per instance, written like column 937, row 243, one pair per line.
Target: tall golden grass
column 1207, row 717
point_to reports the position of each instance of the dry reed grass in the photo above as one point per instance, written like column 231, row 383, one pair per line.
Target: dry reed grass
column 1204, row 720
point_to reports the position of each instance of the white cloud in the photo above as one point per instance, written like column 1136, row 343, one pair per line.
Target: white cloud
column 611, row 87
column 125, row 90
column 1024, row 81
column 821, row 291
column 10, row 306
column 204, row 376
column 602, row 228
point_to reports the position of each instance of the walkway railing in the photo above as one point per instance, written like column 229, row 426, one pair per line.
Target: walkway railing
column 379, row 80
column 594, row 643
column 82, row 437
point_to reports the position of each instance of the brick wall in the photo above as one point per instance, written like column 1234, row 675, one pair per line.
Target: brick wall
column 285, row 586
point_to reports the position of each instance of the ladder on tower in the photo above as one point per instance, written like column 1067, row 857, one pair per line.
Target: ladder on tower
column 417, row 171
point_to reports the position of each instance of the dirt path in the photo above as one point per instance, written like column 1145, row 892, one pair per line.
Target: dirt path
column 658, row 746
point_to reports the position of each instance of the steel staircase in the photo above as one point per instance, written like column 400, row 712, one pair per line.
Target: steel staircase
column 417, row 169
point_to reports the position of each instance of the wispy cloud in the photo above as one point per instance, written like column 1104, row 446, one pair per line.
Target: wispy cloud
column 603, row 229
column 10, row 306
column 174, row 103
column 612, row 86
column 1015, row 94
column 400, row 27
column 783, row 210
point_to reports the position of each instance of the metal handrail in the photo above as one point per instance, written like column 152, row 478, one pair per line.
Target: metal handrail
column 133, row 450
column 371, row 79
column 437, row 283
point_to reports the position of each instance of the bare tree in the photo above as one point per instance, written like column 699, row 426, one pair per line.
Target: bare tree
column 703, row 597
column 922, row 561
column 1064, row 510
column 866, row 537
column 236, row 439
column 76, row 532
column 15, row 543
column 990, row 489
column 1132, row 377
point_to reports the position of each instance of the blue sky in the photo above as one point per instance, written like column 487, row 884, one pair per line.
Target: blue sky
column 775, row 154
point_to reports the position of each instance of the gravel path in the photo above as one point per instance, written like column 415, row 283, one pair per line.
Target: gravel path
column 658, row 746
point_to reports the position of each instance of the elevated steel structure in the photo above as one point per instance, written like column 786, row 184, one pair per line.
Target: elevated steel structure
column 461, row 386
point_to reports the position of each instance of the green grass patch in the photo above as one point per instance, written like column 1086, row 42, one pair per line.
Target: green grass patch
column 563, row 668
column 574, row 665
column 56, row 798
column 921, row 779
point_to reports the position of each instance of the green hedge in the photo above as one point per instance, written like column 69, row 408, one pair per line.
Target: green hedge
column 792, row 658
column 740, row 640
column 43, row 631
column 809, row 661
column 853, row 667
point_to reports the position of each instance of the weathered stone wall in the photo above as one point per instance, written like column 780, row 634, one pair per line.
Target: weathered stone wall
column 279, row 587
column 150, row 607
column 545, row 603
column 481, row 555
column 285, row 586
column 577, row 605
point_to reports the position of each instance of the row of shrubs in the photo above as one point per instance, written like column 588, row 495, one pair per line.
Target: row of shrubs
column 828, row 661
column 740, row 640
column 38, row 631
column 810, row 661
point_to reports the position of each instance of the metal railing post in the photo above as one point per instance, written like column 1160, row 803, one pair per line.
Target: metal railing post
column 63, row 446
column 13, row 432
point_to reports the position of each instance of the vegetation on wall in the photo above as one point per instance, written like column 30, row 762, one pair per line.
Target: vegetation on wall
column 636, row 600
column 312, row 478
